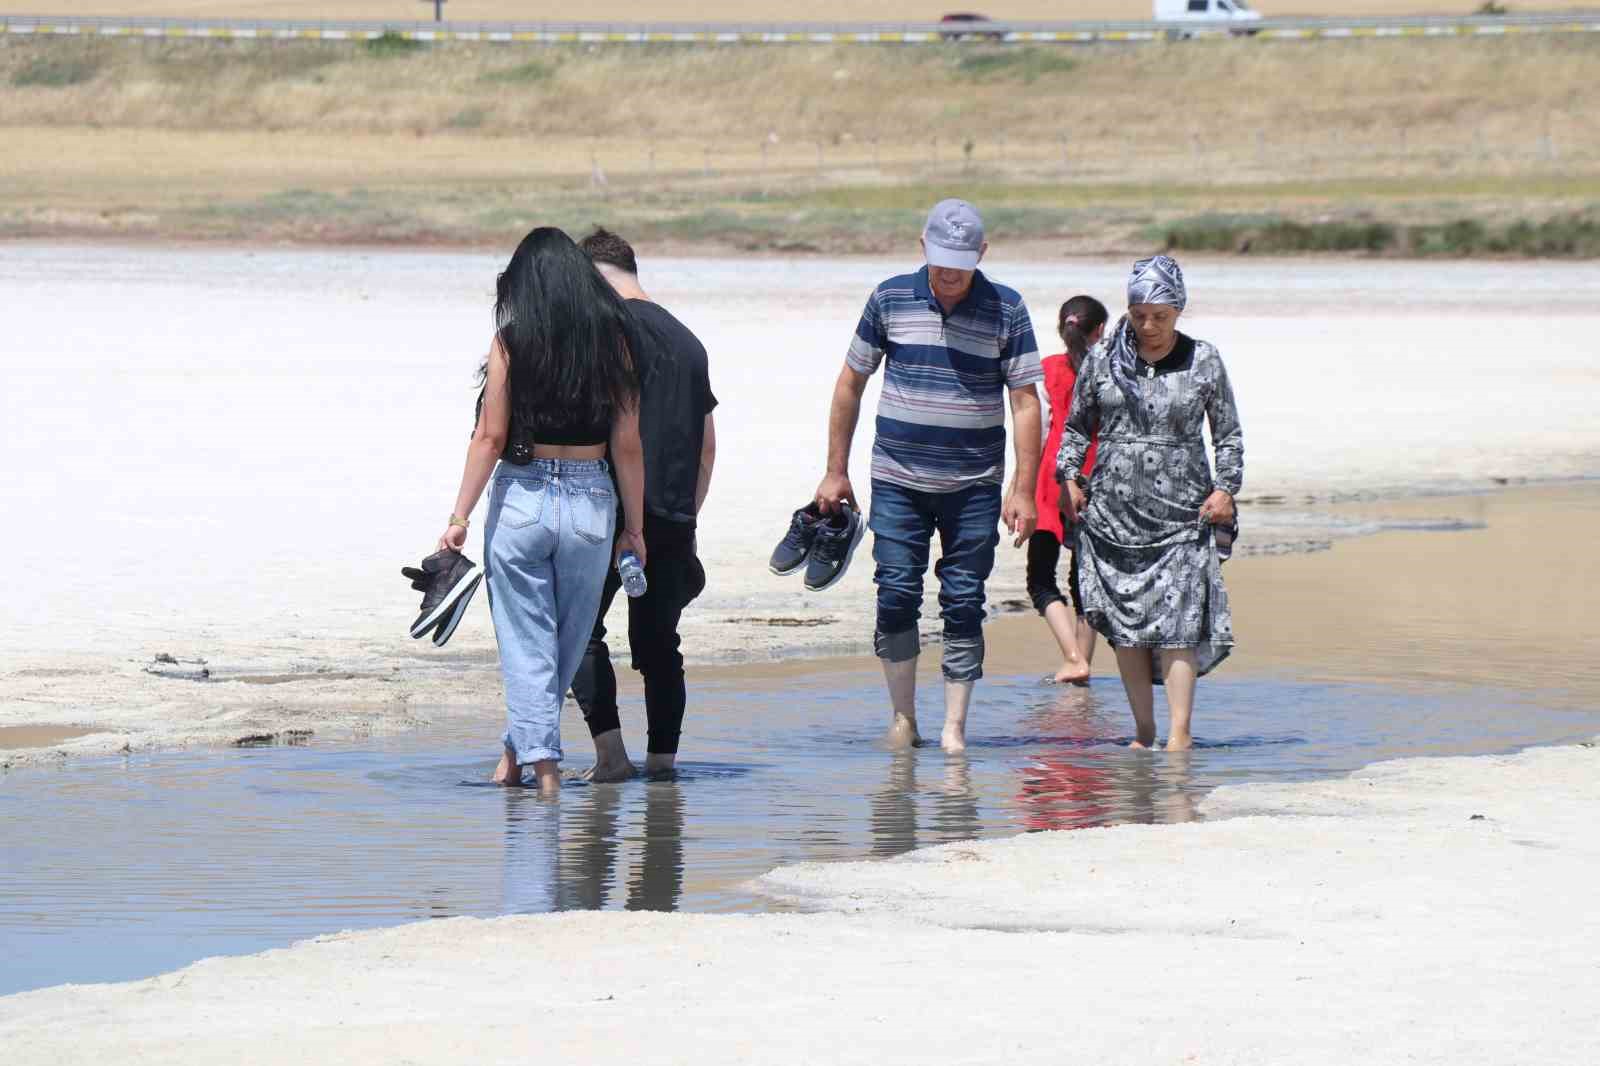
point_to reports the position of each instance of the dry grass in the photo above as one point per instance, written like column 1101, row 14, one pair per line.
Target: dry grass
column 1222, row 95
column 721, row 10
column 786, row 146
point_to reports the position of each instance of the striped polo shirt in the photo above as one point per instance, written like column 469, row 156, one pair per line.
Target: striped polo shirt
column 942, row 414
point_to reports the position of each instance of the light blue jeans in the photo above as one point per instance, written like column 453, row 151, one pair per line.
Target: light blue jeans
column 546, row 546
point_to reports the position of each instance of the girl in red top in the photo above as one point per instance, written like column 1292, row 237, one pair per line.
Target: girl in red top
column 1081, row 322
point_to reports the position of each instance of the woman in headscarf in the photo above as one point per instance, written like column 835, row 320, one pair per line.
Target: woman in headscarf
column 1155, row 522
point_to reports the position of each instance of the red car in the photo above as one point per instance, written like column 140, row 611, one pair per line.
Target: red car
column 962, row 26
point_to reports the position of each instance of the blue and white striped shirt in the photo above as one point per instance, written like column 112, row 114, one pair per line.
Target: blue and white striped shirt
column 941, row 417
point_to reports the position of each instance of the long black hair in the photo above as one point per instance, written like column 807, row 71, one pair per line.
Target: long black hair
column 1077, row 320
column 568, row 336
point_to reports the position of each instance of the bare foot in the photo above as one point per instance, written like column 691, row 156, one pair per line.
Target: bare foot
column 1073, row 672
column 508, row 773
column 602, row 773
column 660, row 765
column 953, row 740
column 1138, row 745
column 903, row 733
column 1180, row 743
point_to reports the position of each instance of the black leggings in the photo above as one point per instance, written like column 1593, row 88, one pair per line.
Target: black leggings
column 675, row 577
column 1044, row 552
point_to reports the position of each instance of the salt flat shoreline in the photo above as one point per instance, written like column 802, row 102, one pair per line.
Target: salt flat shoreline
column 1423, row 910
column 1345, row 614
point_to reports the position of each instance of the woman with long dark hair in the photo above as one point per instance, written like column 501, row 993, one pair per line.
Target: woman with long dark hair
column 1156, row 520
column 560, row 392
column 1080, row 322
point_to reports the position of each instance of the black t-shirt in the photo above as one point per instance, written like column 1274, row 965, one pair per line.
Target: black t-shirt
column 674, row 399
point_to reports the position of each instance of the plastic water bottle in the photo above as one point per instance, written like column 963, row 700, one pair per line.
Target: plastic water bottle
column 632, row 573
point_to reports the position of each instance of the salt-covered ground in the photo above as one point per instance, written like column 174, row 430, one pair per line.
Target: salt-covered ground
column 227, row 455
column 1422, row 911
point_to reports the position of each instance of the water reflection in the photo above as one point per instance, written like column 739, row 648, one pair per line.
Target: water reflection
column 549, row 869
column 1081, row 776
column 657, row 880
column 221, row 852
column 898, row 821
column 531, row 857
column 894, row 807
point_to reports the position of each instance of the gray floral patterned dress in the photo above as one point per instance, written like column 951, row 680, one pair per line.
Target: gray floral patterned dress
column 1148, row 570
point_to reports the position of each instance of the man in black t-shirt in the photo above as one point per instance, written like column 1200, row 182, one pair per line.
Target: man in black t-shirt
column 680, row 444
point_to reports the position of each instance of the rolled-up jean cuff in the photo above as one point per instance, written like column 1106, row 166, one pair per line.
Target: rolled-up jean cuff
column 963, row 658
column 529, row 755
column 897, row 647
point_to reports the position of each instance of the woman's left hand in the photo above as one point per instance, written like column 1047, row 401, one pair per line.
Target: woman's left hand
column 454, row 539
column 1218, row 509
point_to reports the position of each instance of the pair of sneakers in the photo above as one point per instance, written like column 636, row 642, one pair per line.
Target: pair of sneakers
column 821, row 543
column 447, row 579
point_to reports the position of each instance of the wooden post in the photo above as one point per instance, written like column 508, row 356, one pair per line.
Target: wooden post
column 438, row 9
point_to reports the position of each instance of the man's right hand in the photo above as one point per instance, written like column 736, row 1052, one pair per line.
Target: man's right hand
column 835, row 487
column 1073, row 499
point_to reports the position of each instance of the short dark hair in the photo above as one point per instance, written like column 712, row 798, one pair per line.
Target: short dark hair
column 603, row 246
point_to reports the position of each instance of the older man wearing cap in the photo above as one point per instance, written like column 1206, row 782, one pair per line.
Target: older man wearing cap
column 954, row 344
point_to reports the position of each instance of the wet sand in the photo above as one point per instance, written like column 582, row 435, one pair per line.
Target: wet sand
column 14, row 737
column 1508, row 603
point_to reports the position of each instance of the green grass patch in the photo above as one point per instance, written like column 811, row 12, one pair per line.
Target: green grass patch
column 1026, row 65
column 290, row 205
column 1564, row 237
column 56, row 72
column 1277, row 236
column 390, row 45
column 468, row 118
column 529, row 73
column 202, row 64
column 985, row 192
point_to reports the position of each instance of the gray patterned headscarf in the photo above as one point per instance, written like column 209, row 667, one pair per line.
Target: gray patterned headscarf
column 1157, row 280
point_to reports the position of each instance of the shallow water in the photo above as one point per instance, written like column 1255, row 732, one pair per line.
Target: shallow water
column 121, row 868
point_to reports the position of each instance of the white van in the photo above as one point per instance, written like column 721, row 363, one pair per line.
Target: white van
column 1211, row 12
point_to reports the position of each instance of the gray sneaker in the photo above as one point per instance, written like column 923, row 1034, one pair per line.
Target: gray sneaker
column 792, row 551
column 447, row 625
column 444, row 578
column 833, row 547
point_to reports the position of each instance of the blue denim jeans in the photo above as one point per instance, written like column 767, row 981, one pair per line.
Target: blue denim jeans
column 546, row 546
column 903, row 522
